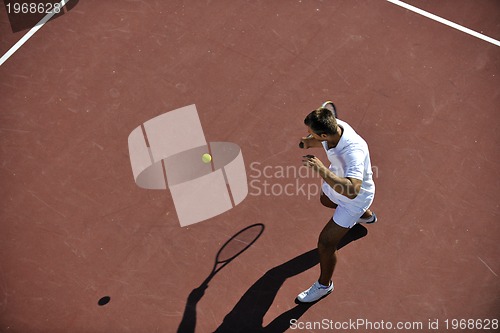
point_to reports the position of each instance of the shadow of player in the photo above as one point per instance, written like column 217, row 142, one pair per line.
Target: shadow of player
column 247, row 315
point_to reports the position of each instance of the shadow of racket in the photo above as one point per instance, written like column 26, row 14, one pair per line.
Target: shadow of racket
column 231, row 249
column 235, row 246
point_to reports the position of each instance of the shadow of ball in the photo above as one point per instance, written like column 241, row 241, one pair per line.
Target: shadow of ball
column 104, row 300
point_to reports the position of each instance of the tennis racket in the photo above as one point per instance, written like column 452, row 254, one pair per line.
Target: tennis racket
column 330, row 106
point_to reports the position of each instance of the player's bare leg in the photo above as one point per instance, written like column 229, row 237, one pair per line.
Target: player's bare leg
column 328, row 242
column 327, row 248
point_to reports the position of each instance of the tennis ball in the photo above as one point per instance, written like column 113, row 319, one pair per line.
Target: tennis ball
column 206, row 158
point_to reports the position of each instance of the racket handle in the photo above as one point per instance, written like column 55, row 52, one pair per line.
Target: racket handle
column 301, row 144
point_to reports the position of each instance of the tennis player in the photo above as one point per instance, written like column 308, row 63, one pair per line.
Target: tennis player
column 348, row 187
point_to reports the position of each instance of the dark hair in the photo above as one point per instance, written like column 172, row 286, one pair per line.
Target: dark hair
column 321, row 121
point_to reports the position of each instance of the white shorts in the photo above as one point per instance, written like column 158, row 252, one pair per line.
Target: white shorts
column 345, row 218
column 346, row 215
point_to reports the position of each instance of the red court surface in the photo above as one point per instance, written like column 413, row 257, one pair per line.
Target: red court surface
column 74, row 226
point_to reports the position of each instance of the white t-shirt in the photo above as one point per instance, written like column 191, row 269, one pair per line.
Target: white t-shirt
column 351, row 158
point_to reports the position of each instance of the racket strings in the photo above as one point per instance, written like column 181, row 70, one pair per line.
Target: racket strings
column 239, row 243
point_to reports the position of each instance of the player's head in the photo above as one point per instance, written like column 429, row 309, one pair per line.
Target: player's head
column 321, row 123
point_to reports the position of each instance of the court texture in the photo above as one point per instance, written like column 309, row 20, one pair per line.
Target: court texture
column 83, row 248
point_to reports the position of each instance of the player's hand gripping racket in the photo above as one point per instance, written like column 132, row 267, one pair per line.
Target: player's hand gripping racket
column 301, row 143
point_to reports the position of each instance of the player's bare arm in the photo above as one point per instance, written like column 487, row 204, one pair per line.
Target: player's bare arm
column 348, row 187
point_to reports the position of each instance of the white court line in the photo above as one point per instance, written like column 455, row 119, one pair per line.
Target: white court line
column 47, row 17
column 30, row 33
column 446, row 22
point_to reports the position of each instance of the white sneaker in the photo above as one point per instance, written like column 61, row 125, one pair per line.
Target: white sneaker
column 315, row 293
column 368, row 220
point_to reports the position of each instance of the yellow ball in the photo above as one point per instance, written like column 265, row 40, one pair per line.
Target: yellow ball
column 206, row 158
